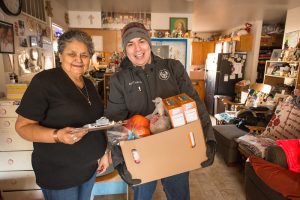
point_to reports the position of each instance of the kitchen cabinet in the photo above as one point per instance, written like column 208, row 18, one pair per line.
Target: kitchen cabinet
column 112, row 40
column 17, row 179
column 276, row 75
column 243, row 43
column 200, row 51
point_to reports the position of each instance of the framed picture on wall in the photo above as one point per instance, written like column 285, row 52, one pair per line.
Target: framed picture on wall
column 178, row 26
column 33, row 41
column 6, row 38
column 175, row 48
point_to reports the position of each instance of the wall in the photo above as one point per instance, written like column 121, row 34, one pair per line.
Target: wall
column 162, row 20
column 4, row 76
column 58, row 9
column 292, row 22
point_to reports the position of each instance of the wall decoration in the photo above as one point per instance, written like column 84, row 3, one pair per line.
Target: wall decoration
column 177, row 48
column 49, row 8
column 161, row 51
column 291, row 39
column 23, row 42
column 276, row 53
column 6, row 38
column 91, row 17
column 116, row 20
column 178, row 26
column 21, row 27
column 11, row 7
column 30, row 60
column 33, row 41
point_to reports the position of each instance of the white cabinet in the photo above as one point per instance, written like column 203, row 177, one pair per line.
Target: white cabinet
column 17, row 180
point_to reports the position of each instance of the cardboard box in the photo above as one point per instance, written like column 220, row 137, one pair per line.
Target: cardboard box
column 189, row 107
column 165, row 154
column 197, row 75
column 175, row 111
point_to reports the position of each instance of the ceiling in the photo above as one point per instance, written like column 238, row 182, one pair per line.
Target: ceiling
column 207, row 15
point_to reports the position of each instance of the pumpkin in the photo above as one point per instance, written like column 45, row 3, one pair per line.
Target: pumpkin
column 139, row 125
column 139, row 120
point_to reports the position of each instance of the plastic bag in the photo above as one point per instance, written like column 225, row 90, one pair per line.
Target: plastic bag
column 159, row 123
column 119, row 133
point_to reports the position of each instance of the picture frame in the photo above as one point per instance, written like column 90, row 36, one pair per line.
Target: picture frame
column 276, row 53
column 291, row 39
column 7, row 40
column 178, row 26
column 178, row 48
column 33, row 41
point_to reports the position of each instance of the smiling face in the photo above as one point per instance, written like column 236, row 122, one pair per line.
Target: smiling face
column 139, row 52
column 75, row 59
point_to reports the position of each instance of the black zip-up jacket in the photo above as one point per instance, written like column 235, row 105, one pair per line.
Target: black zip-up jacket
column 132, row 90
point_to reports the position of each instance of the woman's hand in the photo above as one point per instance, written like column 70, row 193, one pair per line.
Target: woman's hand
column 32, row 131
column 70, row 135
column 104, row 162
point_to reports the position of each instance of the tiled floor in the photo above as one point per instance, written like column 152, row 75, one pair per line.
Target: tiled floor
column 217, row 182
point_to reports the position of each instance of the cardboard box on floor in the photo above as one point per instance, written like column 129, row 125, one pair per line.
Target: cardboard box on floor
column 165, row 154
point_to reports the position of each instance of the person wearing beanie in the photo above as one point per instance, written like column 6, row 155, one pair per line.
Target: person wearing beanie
column 143, row 77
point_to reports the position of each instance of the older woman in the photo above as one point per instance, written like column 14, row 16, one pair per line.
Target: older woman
column 58, row 101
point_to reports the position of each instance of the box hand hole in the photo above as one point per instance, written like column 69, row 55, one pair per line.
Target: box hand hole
column 192, row 139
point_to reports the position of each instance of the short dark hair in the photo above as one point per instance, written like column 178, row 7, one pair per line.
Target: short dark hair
column 78, row 35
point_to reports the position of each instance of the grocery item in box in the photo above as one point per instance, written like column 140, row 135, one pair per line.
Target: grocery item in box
column 175, row 111
column 189, row 107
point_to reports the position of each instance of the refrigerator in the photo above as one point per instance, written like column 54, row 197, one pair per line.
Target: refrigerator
column 223, row 71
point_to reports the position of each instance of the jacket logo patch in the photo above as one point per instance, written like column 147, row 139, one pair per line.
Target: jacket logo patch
column 164, row 74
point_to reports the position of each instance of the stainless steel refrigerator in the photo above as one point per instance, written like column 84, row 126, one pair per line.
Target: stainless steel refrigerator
column 223, row 71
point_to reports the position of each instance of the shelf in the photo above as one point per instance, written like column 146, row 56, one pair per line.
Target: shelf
column 274, row 80
column 263, row 58
column 280, row 76
column 274, row 61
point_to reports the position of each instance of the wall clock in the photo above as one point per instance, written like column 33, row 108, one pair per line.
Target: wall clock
column 11, row 7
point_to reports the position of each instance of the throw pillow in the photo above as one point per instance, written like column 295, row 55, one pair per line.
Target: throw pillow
column 279, row 179
column 284, row 123
column 256, row 144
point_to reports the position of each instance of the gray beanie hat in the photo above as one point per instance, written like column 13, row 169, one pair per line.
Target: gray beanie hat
column 134, row 30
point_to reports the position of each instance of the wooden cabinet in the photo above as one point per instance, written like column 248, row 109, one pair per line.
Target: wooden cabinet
column 199, row 86
column 200, row 51
column 17, row 179
column 111, row 38
column 244, row 43
column 281, row 72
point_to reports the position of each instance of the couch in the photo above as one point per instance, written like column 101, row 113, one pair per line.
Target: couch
column 283, row 125
column 255, row 187
column 233, row 143
column 267, row 176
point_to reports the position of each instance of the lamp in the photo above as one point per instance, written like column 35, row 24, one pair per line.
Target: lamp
column 98, row 56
